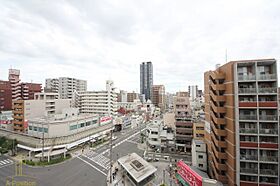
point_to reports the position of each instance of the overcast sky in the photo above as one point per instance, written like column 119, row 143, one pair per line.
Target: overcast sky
column 100, row 40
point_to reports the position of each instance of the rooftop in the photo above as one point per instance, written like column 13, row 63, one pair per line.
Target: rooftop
column 137, row 167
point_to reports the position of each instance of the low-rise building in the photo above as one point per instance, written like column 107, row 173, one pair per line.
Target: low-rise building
column 6, row 120
column 68, row 123
column 199, row 156
column 160, row 137
column 198, row 129
column 136, row 170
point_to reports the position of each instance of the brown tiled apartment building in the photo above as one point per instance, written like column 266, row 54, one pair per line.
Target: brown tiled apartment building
column 242, row 123
column 158, row 96
column 183, row 124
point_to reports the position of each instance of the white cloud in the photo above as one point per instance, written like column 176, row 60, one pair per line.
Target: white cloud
column 98, row 40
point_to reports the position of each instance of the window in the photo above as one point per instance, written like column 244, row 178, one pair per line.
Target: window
column 45, row 130
column 200, row 156
column 197, row 145
column 200, row 165
column 73, row 127
column 40, row 129
column 88, row 123
column 82, row 124
column 35, row 128
column 30, row 127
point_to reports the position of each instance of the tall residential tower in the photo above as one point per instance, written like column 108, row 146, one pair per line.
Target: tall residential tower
column 146, row 79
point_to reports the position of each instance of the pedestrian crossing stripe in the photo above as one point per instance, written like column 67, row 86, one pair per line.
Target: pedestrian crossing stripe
column 4, row 162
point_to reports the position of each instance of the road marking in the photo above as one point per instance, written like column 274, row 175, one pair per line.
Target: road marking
column 130, row 141
column 92, row 166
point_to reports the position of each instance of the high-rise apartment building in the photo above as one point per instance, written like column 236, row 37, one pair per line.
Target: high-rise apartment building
column 146, row 79
column 65, row 86
column 183, row 123
column 158, row 96
column 97, row 102
column 13, row 89
column 242, row 125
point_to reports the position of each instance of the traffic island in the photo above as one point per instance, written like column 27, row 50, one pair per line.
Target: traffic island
column 45, row 162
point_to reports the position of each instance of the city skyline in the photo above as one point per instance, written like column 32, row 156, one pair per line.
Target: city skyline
column 97, row 41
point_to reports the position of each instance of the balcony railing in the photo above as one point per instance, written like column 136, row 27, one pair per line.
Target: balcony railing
column 249, row 170
column 248, row 157
column 269, row 171
column 248, row 130
column 246, row 90
column 269, row 158
column 268, row 90
column 246, row 77
column 247, row 117
column 268, row 117
column 266, row 76
column 268, row 131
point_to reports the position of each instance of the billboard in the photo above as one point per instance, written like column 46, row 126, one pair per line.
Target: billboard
column 105, row 120
column 188, row 175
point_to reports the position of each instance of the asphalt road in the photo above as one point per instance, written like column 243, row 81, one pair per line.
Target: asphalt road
column 89, row 168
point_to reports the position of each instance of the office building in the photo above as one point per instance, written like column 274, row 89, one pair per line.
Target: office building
column 98, row 102
column 242, row 122
column 146, row 79
column 198, row 129
column 13, row 89
column 158, row 96
column 44, row 105
column 183, row 123
column 65, row 86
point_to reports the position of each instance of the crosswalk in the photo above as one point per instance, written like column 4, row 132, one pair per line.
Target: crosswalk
column 6, row 162
column 99, row 159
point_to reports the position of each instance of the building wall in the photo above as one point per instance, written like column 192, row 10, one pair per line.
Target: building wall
column 5, row 96
column 198, row 130
column 199, row 156
column 158, row 96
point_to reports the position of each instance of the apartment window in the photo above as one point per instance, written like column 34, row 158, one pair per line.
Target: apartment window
column 200, row 156
column 73, row 127
column 35, row 128
column 46, row 130
column 40, row 129
column 88, row 123
column 82, row 124
column 200, row 165
column 197, row 145
column 30, row 127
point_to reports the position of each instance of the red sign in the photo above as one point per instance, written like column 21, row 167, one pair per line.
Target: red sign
column 104, row 119
column 25, row 125
column 190, row 176
column 6, row 122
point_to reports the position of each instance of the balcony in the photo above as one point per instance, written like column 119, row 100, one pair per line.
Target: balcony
column 218, row 86
column 248, row 144
column 268, row 117
column 269, row 131
column 217, row 131
column 248, row 130
column 269, row 145
column 269, row 90
column 268, row 171
column 217, row 109
column 217, row 98
column 247, row 104
column 249, row 157
column 249, row 170
column 267, row 77
column 221, row 155
column 218, row 121
column 218, row 165
column 269, row 158
column 247, row 77
column 247, row 90
column 218, row 143
column 247, row 117
column 268, row 104
column 217, row 75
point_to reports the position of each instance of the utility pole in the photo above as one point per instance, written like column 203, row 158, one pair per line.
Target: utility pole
column 111, row 165
column 43, row 143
